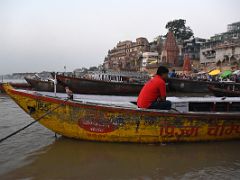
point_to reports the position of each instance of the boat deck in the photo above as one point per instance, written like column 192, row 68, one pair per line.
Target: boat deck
column 180, row 104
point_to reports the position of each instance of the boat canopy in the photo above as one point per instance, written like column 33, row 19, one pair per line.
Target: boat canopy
column 237, row 72
column 226, row 74
column 214, row 72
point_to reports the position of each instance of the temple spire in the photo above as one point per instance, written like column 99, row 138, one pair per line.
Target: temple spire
column 170, row 50
column 186, row 63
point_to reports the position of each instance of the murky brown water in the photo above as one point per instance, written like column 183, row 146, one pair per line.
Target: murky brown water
column 36, row 154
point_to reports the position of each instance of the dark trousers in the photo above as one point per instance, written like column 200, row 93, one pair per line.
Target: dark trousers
column 163, row 105
column 70, row 96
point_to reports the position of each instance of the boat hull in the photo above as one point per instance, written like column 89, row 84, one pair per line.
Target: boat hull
column 47, row 86
column 193, row 86
column 87, row 86
column 114, row 124
column 220, row 92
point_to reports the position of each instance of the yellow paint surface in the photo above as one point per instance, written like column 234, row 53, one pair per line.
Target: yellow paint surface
column 76, row 120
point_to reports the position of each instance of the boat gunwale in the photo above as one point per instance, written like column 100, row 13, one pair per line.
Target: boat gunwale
column 125, row 109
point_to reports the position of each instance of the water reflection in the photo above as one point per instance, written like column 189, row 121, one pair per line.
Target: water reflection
column 72, row 159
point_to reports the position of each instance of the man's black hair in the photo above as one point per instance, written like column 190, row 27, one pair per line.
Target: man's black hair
column 162, row 70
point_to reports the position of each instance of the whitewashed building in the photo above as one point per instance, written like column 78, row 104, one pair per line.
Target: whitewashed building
column 222, row 49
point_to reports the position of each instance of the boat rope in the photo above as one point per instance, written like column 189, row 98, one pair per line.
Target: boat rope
column 38, row 119
column 175, row 110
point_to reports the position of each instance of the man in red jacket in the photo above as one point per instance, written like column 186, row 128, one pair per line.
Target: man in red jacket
column 153, row 94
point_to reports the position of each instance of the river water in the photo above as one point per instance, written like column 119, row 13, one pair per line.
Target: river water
column 36, row 154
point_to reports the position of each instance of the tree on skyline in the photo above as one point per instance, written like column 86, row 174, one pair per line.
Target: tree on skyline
column 179, row 29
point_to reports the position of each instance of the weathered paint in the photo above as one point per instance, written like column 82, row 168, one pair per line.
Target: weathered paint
column 113, row 124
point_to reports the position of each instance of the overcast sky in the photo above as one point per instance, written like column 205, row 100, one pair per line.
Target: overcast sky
column 37, row 35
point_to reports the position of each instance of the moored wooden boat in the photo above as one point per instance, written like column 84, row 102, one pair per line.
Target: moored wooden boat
column 44, row 85
column 224, row 92
column 101, row 87
column 194, row 86
column 108, row 123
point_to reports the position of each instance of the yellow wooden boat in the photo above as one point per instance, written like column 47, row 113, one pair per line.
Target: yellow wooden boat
column 108, row 123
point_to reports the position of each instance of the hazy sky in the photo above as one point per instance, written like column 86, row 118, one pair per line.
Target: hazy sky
column 37, row 35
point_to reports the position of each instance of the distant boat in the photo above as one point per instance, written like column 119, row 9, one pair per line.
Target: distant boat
column 44, row 85
column 224, row 92
column 206, row 119
column 194, row 86
column 101, row 87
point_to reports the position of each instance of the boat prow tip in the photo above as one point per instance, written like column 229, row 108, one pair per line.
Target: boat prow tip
column 7, row 86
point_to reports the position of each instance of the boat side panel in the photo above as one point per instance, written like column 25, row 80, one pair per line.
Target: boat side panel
column 85, row 86
column 221, row 92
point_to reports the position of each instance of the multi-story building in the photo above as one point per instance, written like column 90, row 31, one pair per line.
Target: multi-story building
column 126, row 55
column 149, row 58
column 142, row 55
column 192, row 47
column 222, row 49
column 233, row 32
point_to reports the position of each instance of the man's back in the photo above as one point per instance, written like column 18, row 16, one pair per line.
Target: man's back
column 153, row 89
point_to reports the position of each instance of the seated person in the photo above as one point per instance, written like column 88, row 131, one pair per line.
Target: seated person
column 69, row 93
column 172, row 74
column 153, row 94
